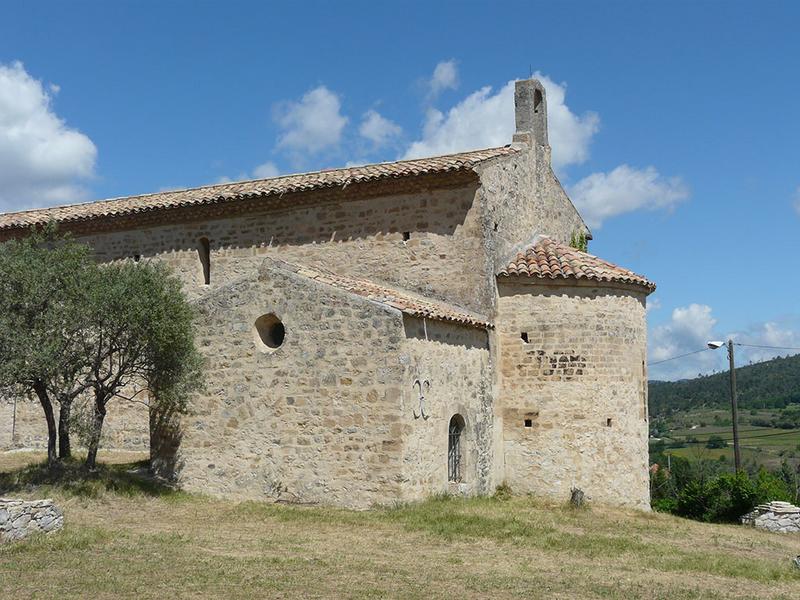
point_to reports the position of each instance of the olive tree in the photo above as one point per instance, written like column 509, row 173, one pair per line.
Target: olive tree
column 42, row 324
column 71, row 329
column 141, row 333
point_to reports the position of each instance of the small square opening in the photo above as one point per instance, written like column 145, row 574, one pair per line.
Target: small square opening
column 524, row 336
column 528, row 422
column 406, row 236
column 608, row 422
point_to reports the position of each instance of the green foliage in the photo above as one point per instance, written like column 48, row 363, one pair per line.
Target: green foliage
column 773, row 384
column 579, row 241
column 42, row 290
column 503, row 492
column 715, row 441
column 770, row 486
column 71, row 329
column 703, row 491
column 143, row 333
column 43, row 284
column 723, row 499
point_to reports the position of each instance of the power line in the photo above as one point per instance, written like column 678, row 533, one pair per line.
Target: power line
column 752, row 437
column 767, row 347
column 658, row 362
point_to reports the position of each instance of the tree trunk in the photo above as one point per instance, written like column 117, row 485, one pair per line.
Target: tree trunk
column 47, row 406
column 97, row 429
column 64, row 449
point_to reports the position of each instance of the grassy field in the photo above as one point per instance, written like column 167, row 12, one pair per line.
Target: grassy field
column 126, row 536
column 767, row 446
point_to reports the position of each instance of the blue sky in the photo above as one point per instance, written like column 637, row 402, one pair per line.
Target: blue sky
column 674, row 125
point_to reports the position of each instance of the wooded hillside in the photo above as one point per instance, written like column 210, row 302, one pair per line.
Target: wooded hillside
column 771, row 384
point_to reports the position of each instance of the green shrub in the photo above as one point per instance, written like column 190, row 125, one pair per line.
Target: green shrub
column 667, row 505
column 723, row 499
column 770, row 487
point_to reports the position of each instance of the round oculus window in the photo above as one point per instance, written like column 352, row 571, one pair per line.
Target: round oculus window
column 270, row 331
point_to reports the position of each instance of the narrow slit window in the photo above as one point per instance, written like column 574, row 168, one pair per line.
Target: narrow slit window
column 455, row 451
column 204, row 251
column 524, row 337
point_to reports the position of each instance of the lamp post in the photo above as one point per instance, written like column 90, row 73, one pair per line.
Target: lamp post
column 734, row 411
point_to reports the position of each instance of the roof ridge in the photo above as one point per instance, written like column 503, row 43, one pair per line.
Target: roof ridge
column 232, row 186
column 406, row 301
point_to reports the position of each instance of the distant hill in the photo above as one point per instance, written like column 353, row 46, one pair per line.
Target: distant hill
column 771, row 384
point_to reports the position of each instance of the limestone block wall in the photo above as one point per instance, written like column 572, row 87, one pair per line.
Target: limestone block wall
column 317, row 419
column 573, row 397
column 6, row 424
column 21, row 518
column 443, row 257
column 126, row 426
column 520, row 198
column 781, row 517
column 451, row 363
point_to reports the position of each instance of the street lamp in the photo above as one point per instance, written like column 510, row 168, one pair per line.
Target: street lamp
column 714, row 345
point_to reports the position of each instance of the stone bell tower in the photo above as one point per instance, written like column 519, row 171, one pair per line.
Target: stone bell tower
column 530, row 111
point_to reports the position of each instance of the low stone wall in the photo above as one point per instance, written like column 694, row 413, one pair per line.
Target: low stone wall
column 775, row 516
column 21, row 518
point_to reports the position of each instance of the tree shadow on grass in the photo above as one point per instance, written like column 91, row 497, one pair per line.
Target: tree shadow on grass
column 72, row 478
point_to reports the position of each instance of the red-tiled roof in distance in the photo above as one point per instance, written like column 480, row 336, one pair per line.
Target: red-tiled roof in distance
column 260, row 188
column 406, row 302
column 548, row 259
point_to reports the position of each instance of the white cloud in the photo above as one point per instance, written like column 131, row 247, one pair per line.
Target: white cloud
column 42, row 161
column 652, row 304
column 688, row 330
column 265, row 170
column 625, row 189
column 312, row 124
column 485, row 119
column 445, row 77
column 378, row 129
column 691, row 327
column 770, row 333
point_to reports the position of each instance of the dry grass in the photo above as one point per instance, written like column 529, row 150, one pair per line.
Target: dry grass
column 149, row 543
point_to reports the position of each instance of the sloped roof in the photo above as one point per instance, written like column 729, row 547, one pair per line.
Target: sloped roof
column 406, row 302
column 548, row 259
column 259, row 188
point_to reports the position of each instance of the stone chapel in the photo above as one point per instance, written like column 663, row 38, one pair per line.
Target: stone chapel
column 387, row 332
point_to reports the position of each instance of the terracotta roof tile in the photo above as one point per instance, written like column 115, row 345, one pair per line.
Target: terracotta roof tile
column 406, row 302
column 274, row 186
column 548, row 259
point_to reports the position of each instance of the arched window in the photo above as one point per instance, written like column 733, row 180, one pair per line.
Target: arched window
column 455, row 451
column 204, row 251
column 537, row 100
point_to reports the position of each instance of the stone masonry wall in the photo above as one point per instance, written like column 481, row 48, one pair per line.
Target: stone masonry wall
column 573, row 398
column 455, row 362
column 781, row 517
column 21, row 518
column 314, row 420
column 443, row 257
column 125, row 428
column 521, row 197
